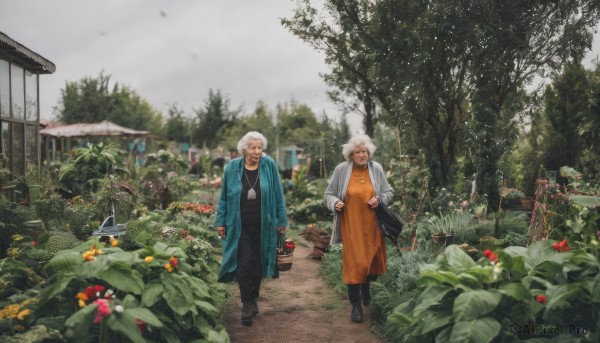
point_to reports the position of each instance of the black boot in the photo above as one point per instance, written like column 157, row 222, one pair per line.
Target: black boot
column 354, row 296
column 247, row 313
column 366, row 293
column 356, row 315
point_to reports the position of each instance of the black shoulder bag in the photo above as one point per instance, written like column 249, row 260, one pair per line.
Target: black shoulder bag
column 388, row 223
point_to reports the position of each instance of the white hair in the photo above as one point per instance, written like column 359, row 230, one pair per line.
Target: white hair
column 251, row 136
column 356, row 141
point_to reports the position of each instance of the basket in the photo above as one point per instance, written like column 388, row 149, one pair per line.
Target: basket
column 284, row 262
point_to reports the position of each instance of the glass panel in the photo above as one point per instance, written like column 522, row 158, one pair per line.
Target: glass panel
column 31, row 147
column 4, row 89
column 17, row 87
column 17, row 149
column 6, row 139
column 31, row 96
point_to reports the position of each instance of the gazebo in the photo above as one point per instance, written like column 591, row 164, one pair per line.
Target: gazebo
column 66, row 132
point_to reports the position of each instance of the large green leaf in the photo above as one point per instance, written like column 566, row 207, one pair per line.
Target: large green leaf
column 152, row 293
column 81, row 321
column 207, row 307
column 145, row 315
column 437, row 321
column 538, row 253
column 590, row 201
column 516, row 290
column 177, row 293
column 475, row 304
column 58, row 283
column 439, row 277
column 457, row 259
column 560, row 296
column 475, row 331
column 125, row 324
column 65, row 262
column 121, row 276
column 431, row 296
column 213, row 336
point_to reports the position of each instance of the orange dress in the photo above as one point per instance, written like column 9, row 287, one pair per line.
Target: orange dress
column 363, row 246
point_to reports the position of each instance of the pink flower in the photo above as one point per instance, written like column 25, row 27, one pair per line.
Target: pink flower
column 103, row 310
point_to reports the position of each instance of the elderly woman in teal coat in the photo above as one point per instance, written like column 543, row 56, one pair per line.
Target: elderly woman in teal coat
column 250, row 213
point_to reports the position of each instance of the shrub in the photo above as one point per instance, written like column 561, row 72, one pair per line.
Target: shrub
column 494, row 298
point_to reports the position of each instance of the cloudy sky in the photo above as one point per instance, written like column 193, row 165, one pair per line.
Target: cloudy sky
column 173, row 52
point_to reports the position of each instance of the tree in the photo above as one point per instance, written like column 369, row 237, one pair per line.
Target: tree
column 178, row 128
column 510, row 42
column 92, row 100
column 260, row 120
column 213, row 120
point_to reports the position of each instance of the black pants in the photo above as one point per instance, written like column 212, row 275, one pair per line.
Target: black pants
column 249, row 270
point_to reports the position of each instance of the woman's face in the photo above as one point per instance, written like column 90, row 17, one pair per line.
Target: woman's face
column 254, row 151
column 360, row 156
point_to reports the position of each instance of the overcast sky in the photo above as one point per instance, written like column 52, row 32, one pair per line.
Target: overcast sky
column 173, row 52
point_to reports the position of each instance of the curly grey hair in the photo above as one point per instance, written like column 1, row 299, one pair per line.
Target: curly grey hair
column 356, row 141
column 250, row 136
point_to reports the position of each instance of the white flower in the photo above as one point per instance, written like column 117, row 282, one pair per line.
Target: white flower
column 119, row 309
column 497, row 271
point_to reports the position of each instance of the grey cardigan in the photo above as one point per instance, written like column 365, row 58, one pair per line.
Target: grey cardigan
column 336, row 190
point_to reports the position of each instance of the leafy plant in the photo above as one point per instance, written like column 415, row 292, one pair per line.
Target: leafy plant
column 467, row 301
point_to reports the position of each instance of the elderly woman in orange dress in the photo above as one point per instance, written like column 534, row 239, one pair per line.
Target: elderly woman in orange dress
column 356, row 188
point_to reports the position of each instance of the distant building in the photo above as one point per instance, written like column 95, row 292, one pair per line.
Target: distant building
column 20, row 69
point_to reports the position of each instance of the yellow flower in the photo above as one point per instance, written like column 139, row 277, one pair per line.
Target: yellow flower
column 114, row 242
column 149, row 259
column 169, row 268
column 17, row 237
column 23, row 314
column 14, row 253
column 81, row 303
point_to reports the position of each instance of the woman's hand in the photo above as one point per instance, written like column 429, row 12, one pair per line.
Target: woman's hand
column 221, row 231
column 374, row 202
column 281, row 229
column 339, row 205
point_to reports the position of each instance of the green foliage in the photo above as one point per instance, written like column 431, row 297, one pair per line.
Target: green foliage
column 213, row 119
column 15, row 277
column 84, row 172
column 331, row 269
column 91, row 100
column 466, row 301
column 135, row 285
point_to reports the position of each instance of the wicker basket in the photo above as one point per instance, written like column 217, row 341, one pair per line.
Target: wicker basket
column 284, row 262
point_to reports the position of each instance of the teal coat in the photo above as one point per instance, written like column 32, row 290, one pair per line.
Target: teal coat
column 273, row 215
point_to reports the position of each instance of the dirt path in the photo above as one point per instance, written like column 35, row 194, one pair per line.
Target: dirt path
column 298, row 307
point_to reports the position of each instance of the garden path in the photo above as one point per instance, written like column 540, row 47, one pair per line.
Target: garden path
column 297, row 307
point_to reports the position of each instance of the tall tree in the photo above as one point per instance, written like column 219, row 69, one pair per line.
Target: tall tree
column 510, row 42
column 178, row 127
column 91, row 100
column 213, row 119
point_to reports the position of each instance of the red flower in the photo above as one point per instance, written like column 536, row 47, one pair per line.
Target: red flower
column 34, row 243
column 92, row 292
column 541, row 299
column 561, row 246
column 490, row 255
